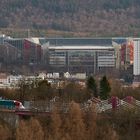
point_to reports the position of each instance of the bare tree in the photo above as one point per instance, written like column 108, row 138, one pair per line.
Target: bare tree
column 55, row 126
column 5, row 132
column 29, row 130
column 76, row 127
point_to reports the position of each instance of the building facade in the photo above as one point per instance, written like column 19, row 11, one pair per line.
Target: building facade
column 136, row 66
column 74, row 59
column 124, row 52
column 27, row 51
column 74, row 55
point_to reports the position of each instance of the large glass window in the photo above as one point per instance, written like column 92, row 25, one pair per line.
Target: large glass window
column 57, row 58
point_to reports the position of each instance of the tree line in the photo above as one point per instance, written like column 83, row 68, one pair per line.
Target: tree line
column 76, row 124
column 99, row 87
column 88, row 18
column 73, row 125
column 42, row 90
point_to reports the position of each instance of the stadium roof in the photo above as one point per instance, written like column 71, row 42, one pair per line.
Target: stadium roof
column 77, row 41
column 80, row 47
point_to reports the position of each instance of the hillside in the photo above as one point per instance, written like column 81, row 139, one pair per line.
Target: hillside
column 95, row 17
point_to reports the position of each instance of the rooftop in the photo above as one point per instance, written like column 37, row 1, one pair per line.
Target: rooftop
column 80, row 47
column 77, row 41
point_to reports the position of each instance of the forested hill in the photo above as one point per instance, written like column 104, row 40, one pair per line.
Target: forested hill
column 97, row 17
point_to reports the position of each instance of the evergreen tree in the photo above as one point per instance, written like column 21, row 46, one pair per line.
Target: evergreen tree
column 104, row 88
column 91, row 85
